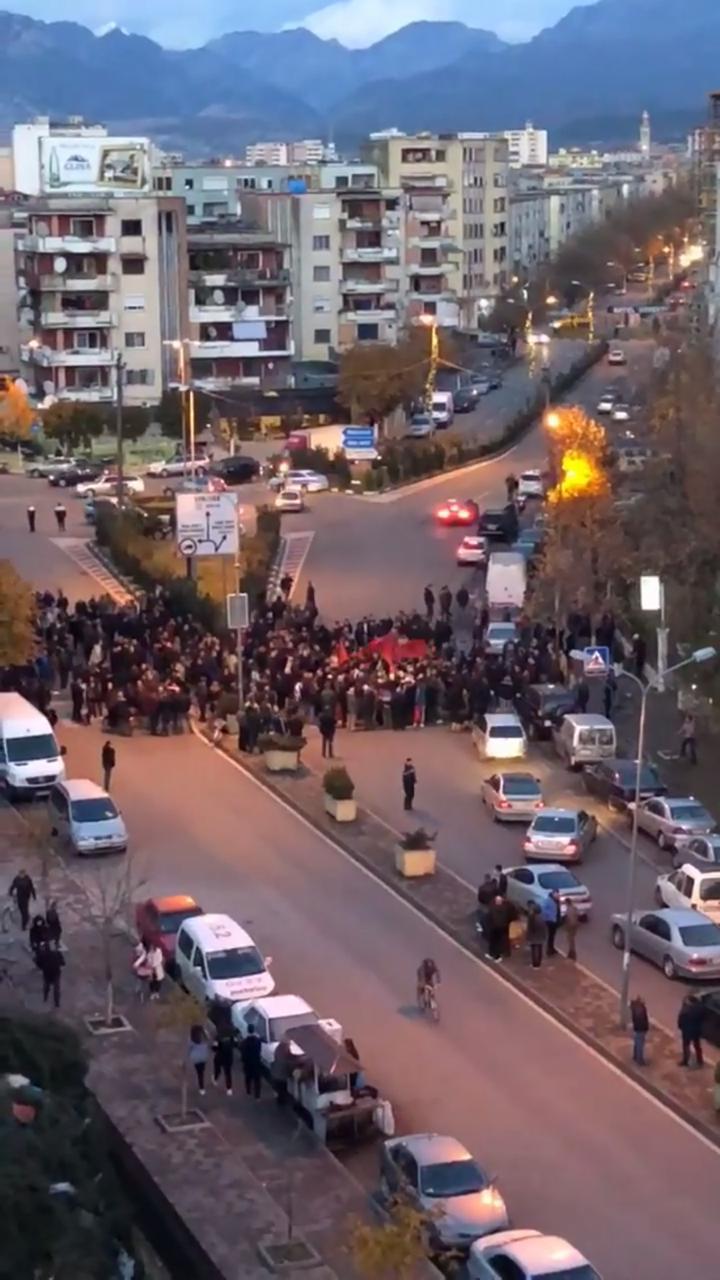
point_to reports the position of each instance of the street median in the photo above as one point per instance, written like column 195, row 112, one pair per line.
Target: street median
column 562, row 989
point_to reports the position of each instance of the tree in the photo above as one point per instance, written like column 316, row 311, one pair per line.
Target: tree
column 110, row 894
column 16, row 413
column 17, row 611
column 170, row 415
column 73, row 424
column 376, row 378
column 136, row 421
column 180, row 1012
column 392, row 1248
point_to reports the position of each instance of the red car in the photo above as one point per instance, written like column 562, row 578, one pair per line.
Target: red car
column 454, row 512
column 159, row 919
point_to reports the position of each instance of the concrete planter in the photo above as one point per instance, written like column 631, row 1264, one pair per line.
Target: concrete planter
column 341, row 810
column 282, row 761
column 415, row 862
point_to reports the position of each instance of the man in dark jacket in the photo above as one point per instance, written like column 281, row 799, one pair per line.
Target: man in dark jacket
column 50, row 962
column 409, row 783
column 689, row 1023
column 22, row 890
column 640, row 1026
column 327, row 726
column 251, row 1058
column 108, row 760
column 536, row 934
column 499, row 918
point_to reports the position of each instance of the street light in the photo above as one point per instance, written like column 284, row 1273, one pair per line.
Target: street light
column 431, row 322
column 551, row 300
column 700, row 655
column 552, row 420
column 179, row 345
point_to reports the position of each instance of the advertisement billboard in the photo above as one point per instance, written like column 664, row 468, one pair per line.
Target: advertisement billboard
column 94, row 164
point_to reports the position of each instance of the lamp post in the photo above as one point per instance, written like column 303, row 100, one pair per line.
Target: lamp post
column 431, row 323
column 700, row 655
column 187, row 393
column 590, row 315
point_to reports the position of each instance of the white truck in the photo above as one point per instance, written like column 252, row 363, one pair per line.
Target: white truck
column 505, row 581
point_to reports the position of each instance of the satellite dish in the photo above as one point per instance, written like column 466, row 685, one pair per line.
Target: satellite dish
column 48, row 387
column 42, row 228
column 60, row 266
column 218, row 296
column 212, row 331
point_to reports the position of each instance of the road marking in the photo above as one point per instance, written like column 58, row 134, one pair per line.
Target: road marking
column 519, row 995
column 80, row 551
column 291, row 557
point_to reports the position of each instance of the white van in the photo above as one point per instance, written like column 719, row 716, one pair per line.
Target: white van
column 506, row 580
column 500, row 736
column 84, row 816
column 30, row 758
column 442, row 408
column 689, row 887
column 218, row 960
column 584, row 739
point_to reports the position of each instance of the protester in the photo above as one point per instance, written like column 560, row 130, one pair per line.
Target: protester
column 50, row 962
column 38, row 934
column 54, row 927
column 409, row 783
column 640, row 1023
column 536, row 934
column 60, row 516
column 198, row 1054
column 572, row 925
column 552, row 915
column 22, row 890
column 108, row 760
column 223, row 1054
column 251, row 1058
column 690, row 1020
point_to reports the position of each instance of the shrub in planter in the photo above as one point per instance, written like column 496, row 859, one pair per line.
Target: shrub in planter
column 415, row 855
column 281, row 742
column 340, row 795
column 419, row 839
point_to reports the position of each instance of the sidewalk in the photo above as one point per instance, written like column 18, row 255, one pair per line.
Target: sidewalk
column 219, row 1192
column 569, row 993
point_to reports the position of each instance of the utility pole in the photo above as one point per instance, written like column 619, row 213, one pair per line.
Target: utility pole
column 119, row 370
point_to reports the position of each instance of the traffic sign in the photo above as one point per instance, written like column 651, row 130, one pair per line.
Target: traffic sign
column 596, row 660
column 358, row 442
column 238, row 611
column 207, row 524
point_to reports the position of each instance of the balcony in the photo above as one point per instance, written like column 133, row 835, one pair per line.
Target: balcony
column 360, row 224
column 68, row 244
column 383, row 312
column 96, row 284
column 48, row 358
column 214, row 314
column 238, row 350
column 77, row 319
column 94, row 395
column 388, row 253
column 438, row 214
column 211, row 278
column 369, row 286
column 133, row 247
column 427, row 268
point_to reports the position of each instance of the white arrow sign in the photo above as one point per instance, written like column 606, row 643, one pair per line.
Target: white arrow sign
column 207, row 524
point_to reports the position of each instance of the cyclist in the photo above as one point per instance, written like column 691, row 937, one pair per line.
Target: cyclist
column 428, row 977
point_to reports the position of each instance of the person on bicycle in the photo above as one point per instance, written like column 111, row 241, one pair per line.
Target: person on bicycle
column 428, row 976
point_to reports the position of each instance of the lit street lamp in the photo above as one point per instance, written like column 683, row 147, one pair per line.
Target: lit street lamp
column 188, row 420
column 700, row 655
column 431, row 323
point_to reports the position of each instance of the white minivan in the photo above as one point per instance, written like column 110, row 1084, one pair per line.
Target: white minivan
column 500, row 736
column 584, row 739
column 217, row 960
column 85, row 817
column 442, row 408
column 30, row 758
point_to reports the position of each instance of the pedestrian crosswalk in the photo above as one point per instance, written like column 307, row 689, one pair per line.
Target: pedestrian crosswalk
column 80, row 551
column 291, row 556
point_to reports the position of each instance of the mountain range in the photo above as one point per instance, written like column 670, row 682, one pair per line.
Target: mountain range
column 590, row 75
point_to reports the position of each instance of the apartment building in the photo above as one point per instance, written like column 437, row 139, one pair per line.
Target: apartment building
column 306, row 151
column 455, row 184
column 239, row 302
column 101, row 278
column 218, row 189
column 529, row 231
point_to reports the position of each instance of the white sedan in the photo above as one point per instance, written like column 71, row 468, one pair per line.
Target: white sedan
column 309, row 481
column 617, row 356
column 527, row 1255
column 621, row 413
column 290, row 500
column 472, row 550
column 607, row 402
column 177, row 467
column 530, row 485
column 108, row 483
column 272, row 1017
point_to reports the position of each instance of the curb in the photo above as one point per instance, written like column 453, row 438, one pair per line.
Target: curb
column 506, row 975
column 103, row 559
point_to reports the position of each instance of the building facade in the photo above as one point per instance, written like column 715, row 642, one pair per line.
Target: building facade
column 218, row 190
column 102, row 280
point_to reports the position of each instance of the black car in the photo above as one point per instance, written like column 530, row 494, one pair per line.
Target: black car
column 614, row 782
column 500, row 525
column 710, row 1029
column 465, row 399
column 66, row 477
column 236, row 469
column 540, row 706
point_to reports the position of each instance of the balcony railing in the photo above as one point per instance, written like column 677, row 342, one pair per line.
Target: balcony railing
column 46, row 357
column 369, row 286
column 95, row 394
column 219, row 350
column 382, row 253
column 68, row 244
column 216, row 278
column 71, row 283
column 77, row 319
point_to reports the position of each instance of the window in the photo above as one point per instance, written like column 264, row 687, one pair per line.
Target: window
column 135, row 339
column 134, row 302
column 321, row 212
column 506, row 1268
column 87, row 341
column 184, row 944
column 368, row 333
column 190, row 210
column 321, row 275
column 189, row 184
column 140, row 377
column 199, row 962
column 321, row 306
column 83, row 228
column 323, row 336
column 133, row 266
column 131, row 227
column 321, row 242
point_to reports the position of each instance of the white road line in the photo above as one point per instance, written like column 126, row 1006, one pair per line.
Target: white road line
column 294, row 550
column 78, row 550
column 519, row 995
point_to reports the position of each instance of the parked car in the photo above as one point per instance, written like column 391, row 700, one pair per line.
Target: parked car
column 511, row 797
column 290, row 500
column 500, row 736
column 531, row 485
column 203, row 483
column 92, row 505
column 465, row 399
column 441, row 1179
column 455, row 512
column 180, row 465
column 540, row 706
column 710, row 1027
column 703, row 851
column 616, row 355
column 687, row 886
column 107, row 482
column 560, row 835
column 159, row 918
column 581, row 738
column 472, row 550
column 41, row 468
column 308, row 481
column 526, row 885
column 614, row 782
column 607, row 402
column 500, row 524
column 671, row 818
column 218, row 960
column 236, row 469
column 420, row 427
column 276, row 1016
column 527, row 1255
column 620, row 412
column 79, row 473
column 683, row 943
column 498, row 634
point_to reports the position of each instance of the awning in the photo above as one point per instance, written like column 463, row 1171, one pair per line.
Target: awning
column 326, row 1054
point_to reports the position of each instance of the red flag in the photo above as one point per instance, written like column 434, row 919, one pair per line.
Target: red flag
column 341, row 654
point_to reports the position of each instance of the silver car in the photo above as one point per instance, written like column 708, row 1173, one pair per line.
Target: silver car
column 439, row 1176
column 682, row 942
column 560, row 835
column 511, row 797
column 670, row 819
column 702, row 850
column 498, row 634
column 41, row 468
column 535, row 884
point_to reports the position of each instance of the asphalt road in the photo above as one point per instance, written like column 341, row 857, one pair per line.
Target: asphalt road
column 578, row 1149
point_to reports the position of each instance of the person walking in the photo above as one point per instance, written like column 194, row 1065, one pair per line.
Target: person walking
column 572, row 924
column 22, row 890
column 501, row 880
column 282, row 1069
column 688, row 744
column 223, row 1054
column 640, row 1024
column 445, row 599
column 690, row 1019
column 31, row 514
column 409, row 783
column 54, row 926
column 582, row 696
column 429, row 599
column 609, row 691
column 499, row 918
column 37, row 935
column 327, row 726
column 251, row 1058
column 552, row 915
column 536, row 934
column 108, row 759
column 60, row 516
column 198, row 1054
column 50, row 963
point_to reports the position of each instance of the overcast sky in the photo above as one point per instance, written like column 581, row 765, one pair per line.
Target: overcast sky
column 183, row 23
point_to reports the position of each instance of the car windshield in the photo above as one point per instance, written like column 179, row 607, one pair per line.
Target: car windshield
column 598, row 737
column 700, row 935
column 456, row 1178
column 557, row 880
column 505, row 731
column 554, row 825
column 532, row 476
column 238, row 962
column 99, row 809
column 689, row 813
column 278, row 1026
column 500, row 632
column 38, row 746
column 710, row 891
column 520, row 787
column 170, row 921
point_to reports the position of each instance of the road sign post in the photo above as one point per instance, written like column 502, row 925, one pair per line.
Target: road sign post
column 238, row 618
column 207, row 524
column 359, row 443
column 596, row 660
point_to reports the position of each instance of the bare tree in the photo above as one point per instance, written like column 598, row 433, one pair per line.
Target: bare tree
column 109, row 894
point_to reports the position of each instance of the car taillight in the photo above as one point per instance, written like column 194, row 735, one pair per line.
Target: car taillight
column 527, row 844
column 443, row 515
column 539, row 804
column 464, row 514
column 698, row 961
column 571, row 847
column 503, row 804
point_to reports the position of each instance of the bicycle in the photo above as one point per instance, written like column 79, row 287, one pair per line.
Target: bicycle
column 428, row 1001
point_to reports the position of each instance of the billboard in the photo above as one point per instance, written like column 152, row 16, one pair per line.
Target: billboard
column 93, row 164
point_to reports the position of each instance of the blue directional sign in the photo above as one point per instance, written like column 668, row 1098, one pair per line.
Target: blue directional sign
column 596, row 660
column 358, row 437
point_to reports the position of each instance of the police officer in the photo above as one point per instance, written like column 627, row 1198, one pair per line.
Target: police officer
column 31, row 518
column 60, row 516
